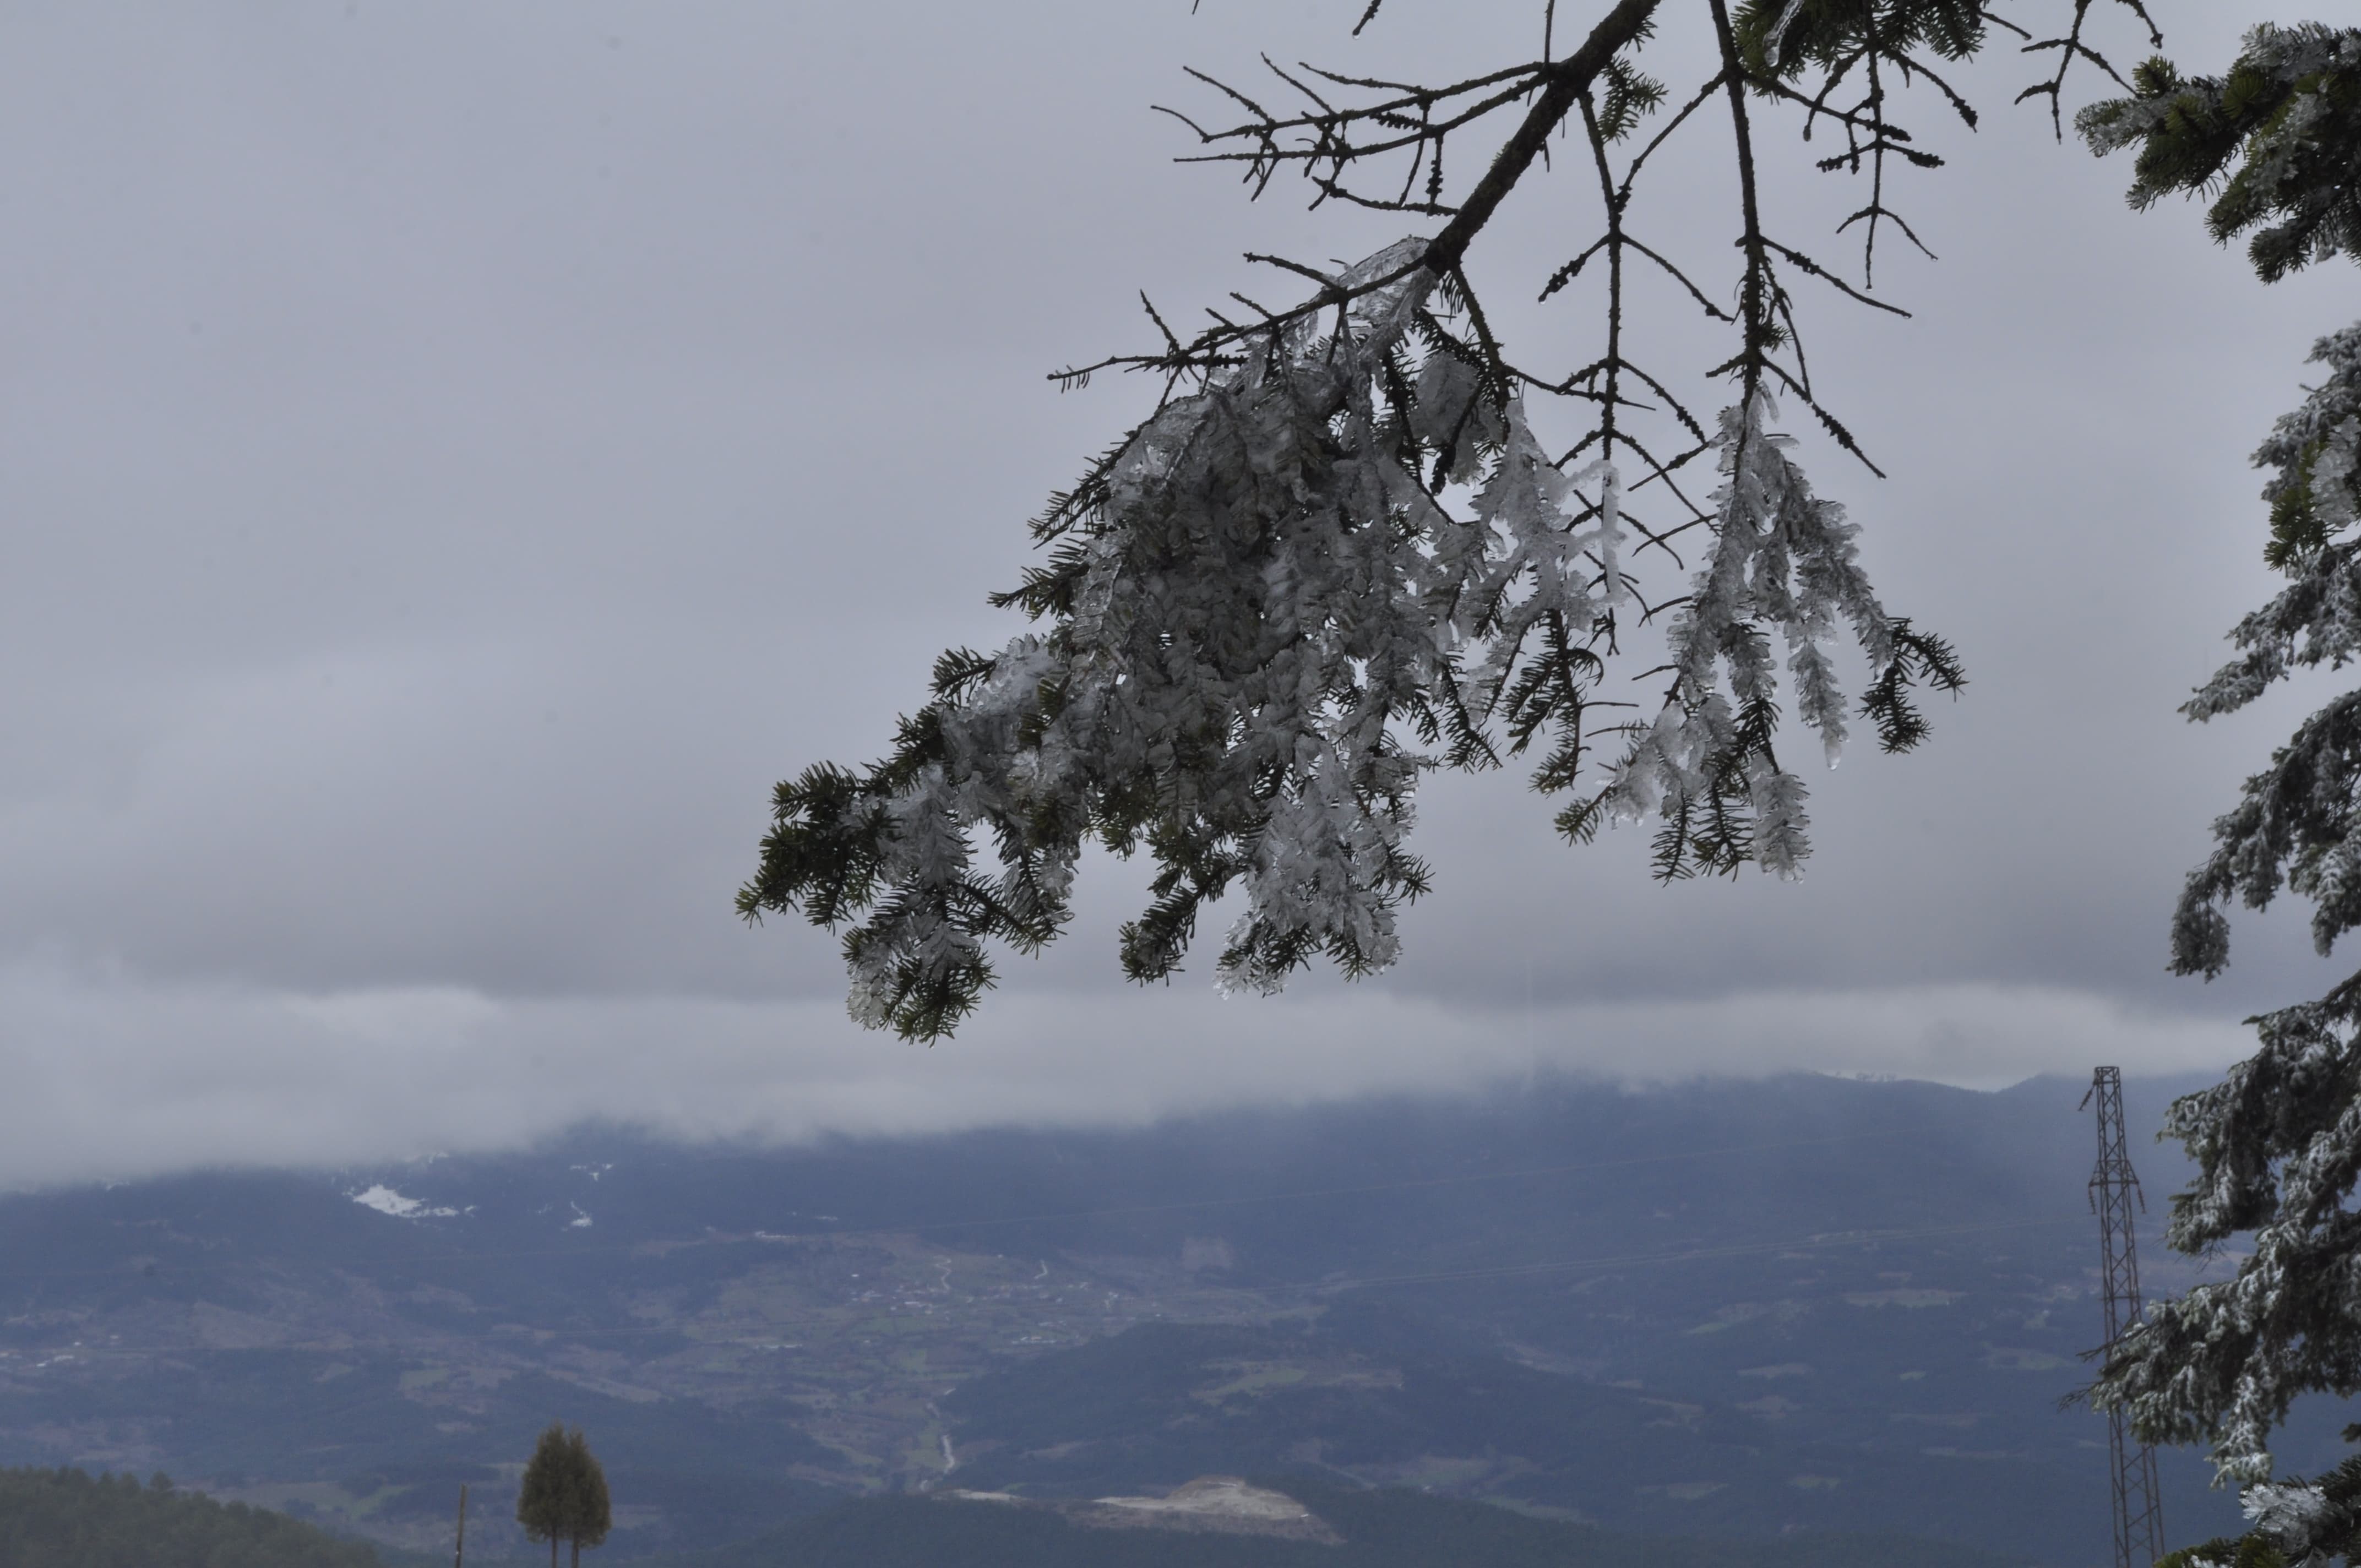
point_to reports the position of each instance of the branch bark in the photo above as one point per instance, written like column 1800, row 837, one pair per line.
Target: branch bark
column 1563, row 89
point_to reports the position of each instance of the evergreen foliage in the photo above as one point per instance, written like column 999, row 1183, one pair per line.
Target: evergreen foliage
column 2295, row 823
column 545, row 1503
column 1360, row 539
column 66, row 1519
column 588, row 1517
column 562, row 1493
column 2295, row 1521
column 2275, row 143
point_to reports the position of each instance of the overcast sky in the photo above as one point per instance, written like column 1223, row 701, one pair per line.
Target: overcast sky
column 456, row 457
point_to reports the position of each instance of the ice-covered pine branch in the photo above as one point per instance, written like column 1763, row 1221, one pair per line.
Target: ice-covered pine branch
column 1781, row 560
column 1339, row 556
column 2271, row 145
column 2277, row 1142
column 2296, row 822
column 1259, row 623
column 2293, row 1523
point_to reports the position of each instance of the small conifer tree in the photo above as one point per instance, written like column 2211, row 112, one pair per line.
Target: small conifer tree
column 588, row 1517
column 544, row 1494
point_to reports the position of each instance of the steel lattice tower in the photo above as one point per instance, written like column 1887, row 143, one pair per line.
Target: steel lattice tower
column 2114, row 1188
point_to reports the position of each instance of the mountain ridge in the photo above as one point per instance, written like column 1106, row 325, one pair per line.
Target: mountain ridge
column 1867, row 1290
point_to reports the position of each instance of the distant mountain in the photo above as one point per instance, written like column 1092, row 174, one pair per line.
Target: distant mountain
column 65, row 1518
column 1734, row 1307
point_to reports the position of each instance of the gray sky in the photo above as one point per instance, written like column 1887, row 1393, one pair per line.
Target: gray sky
column 456, row 457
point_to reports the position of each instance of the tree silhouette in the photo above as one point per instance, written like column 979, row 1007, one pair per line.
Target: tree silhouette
column 543, row 1495
column 586, row 1518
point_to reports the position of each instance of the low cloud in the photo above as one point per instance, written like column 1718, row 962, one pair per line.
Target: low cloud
column 115, row 1077
column 430, row 535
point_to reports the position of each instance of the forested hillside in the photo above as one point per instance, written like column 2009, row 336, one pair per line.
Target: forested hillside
column 67, row 1518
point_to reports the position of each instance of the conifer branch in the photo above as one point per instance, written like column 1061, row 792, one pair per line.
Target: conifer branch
column 1349, row 545
column 2069, row 49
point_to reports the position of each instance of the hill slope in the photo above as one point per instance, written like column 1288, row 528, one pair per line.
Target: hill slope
column 65, row 1518
column 1725, row 1307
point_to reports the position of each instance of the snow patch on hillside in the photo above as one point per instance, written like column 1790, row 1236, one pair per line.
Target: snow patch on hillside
column 385, row 1200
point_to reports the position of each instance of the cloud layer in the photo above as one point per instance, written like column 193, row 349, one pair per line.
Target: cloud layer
column 457, row 458
column 271, row 1078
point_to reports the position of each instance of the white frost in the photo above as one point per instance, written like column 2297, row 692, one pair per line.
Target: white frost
column 1266, row 611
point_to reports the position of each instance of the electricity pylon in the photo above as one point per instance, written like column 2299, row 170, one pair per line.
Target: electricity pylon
column 2115, row 1186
